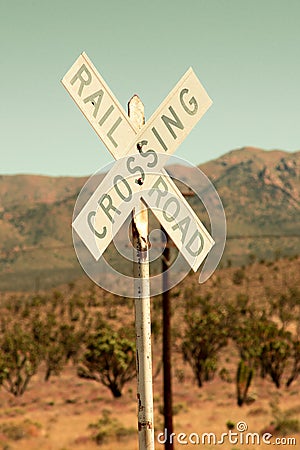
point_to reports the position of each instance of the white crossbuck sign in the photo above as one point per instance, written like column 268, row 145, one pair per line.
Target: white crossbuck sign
column 141, row 155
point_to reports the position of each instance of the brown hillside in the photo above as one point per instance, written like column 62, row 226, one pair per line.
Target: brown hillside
column 260, row 191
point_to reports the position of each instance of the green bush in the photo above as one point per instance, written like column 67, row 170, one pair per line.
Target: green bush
column 204, row 336
column 243, row 380
column 287, row 426
column 19, row 360
column 109, row 359
column 238, row 276
column 108, row 429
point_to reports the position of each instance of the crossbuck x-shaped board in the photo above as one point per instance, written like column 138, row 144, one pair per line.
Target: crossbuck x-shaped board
column 141, row 155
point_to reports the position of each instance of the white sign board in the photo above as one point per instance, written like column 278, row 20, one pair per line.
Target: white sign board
column 99, row 105
column 139, row 172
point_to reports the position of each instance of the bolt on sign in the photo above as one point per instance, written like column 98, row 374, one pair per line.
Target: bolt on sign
column 141, row 155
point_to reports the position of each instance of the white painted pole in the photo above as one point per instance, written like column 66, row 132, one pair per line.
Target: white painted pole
column 142, row 306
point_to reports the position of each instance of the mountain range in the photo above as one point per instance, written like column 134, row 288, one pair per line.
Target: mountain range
column 260, row 192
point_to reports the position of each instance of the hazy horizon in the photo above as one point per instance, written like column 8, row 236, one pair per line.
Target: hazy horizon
column 169, row 163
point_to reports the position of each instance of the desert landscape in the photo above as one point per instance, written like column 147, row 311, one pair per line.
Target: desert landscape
column 199, row 99
column 70, row 412
column 67, row 361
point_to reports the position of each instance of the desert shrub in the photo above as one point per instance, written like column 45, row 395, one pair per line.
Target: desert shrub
column 246, row 331
column 238, row 276
column 176, row 409
column 59, row 330
column 19, row 360
column 13, row 431
column 242, row 304
column 243, row 380
column 108, row 428
column 288, row 426
column 283, row 423
column 286, row 306
column 109, row 359
column 224, row 374
column 18, row 431
column 180, row 376
column 204, row 336
column 230, row 425
column 295, row 371
column 262, row 343
column 275, row 351
column 251, row 258
column 45, row 336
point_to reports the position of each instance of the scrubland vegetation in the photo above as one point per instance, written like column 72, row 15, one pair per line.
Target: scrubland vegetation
column 241, row 327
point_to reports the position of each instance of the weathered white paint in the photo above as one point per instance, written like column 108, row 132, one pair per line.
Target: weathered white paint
column 111, row 203
column 164, row 131
column 99, row 105
column 142, row 306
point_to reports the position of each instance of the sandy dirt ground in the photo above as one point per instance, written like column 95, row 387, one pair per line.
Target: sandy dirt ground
column 56, row 415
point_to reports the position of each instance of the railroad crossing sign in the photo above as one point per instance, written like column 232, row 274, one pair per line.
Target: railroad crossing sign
column 141, row 155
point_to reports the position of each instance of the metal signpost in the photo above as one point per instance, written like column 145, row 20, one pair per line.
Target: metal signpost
column 137, row 181
column 142, row 304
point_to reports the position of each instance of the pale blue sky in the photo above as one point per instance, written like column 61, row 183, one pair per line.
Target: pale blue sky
column 246, row 54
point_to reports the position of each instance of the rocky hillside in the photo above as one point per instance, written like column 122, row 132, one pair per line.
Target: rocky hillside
column 260, row 191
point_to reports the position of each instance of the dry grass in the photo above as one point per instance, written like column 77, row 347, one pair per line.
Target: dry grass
column 57, row 415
